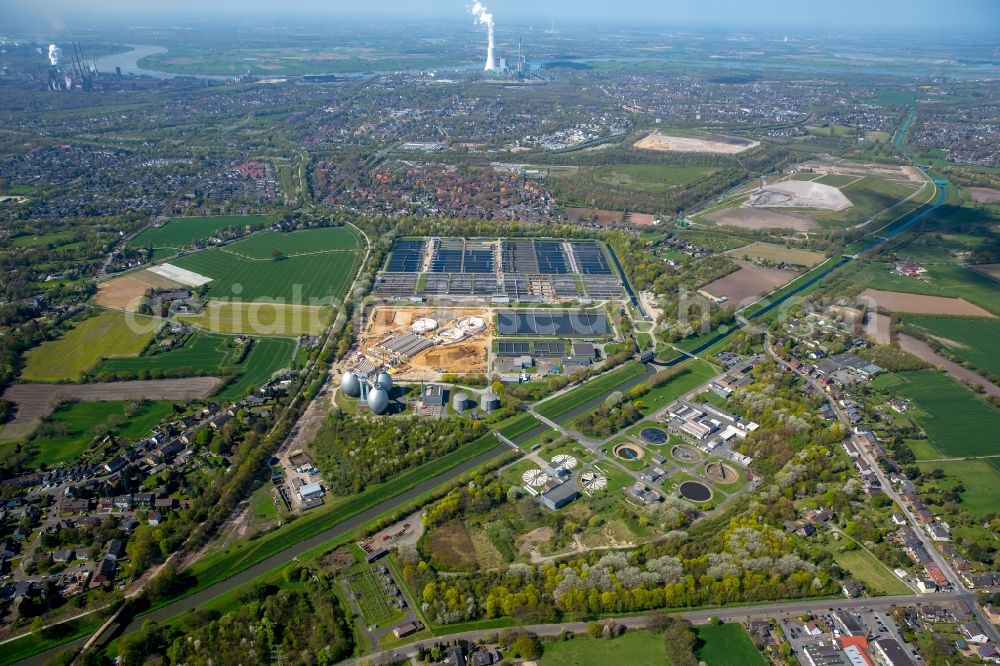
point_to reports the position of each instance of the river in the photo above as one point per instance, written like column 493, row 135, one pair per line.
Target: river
column 128, row 61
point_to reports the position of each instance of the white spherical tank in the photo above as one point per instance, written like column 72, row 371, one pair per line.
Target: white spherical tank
column 350, row 385
column 385, row 379
column 378, row 399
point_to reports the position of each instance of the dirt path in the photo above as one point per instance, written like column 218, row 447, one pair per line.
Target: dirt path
column 923, row 351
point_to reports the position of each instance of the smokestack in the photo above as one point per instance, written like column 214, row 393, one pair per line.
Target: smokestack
column 483, row 17
column 54, row 54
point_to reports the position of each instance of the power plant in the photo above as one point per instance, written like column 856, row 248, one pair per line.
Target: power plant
column 80, row 74
column 484, row 17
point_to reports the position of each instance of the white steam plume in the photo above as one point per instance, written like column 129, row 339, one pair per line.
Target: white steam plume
column 484, row 17
column 54, row 54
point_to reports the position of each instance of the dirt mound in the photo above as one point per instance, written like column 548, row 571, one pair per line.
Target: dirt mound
column 467, row 357
column 801, row 194
column 716, row 143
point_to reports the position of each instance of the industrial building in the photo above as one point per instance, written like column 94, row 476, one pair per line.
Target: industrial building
column 311, row 491
column 500, row 271
column 559, row 496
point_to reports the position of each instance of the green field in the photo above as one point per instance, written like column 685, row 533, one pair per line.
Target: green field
column 43, row 239
column 180, row 232
column 260, row 318
column 644, row 648
column 106, row 335
column 293, row 279
column 698, row 373
column 981, row 479
column 958, row 422
column 726, row 645
column 74, row 426
column 878, row 579
column 870, row 195
column 31, row 643
column 267, row 356
column 836, row 179
column 235, row 59
column 778, row 253
column 590, row 389
column 972, row 340
column 650, row 177
column 208, row 354
column 308, row 241
column 950, row 280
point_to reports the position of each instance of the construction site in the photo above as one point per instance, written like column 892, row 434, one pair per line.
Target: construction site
column 420, row 343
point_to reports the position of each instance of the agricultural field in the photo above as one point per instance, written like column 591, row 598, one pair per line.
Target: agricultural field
column 726, row 645
column 972, row 340
column 291, row 279
column 644, row 648
column 778, row 254
column 948, row 280
column 210, row 354
column 70, row 429
column 748, row 283
column 180, row 232
column 267, row 356
column 876, row 577
column 308, row 241
column 958, row 422
column 898, row 301
column 260, row 318
column 106, row 335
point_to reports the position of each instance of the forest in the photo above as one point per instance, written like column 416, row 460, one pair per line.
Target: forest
column 353, row 452
column 305, row 625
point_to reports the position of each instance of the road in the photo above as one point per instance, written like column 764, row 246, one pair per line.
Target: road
column 726, row 614
column 887, row 487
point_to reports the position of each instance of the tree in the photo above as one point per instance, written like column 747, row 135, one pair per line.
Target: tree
column 526, row 647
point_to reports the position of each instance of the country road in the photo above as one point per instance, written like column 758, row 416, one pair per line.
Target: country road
column 725, row 613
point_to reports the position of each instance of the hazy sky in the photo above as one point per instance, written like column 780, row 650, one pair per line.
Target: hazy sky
column 866, row 15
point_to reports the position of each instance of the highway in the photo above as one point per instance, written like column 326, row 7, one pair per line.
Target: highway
column 725, row 613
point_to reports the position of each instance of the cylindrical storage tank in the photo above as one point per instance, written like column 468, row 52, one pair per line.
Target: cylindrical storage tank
column 378, row 399
column 460, row 402
column 490, row 401
column 350, row 384
column 385, row 379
